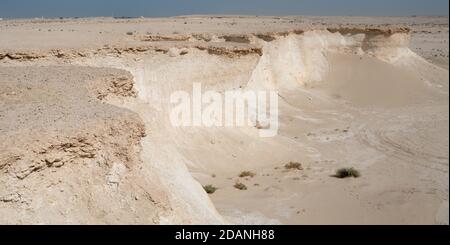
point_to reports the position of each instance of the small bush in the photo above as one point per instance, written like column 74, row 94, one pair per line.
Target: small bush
column 347, row 172
column 210, row 189
column 247, row 174
column 240, row 186
column 293, row 165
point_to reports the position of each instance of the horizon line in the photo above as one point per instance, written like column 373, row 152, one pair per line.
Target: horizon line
column 208, row 15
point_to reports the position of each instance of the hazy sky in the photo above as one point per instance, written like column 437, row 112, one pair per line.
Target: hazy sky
column 83, row 8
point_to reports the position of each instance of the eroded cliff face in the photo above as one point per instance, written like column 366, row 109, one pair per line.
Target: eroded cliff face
column 92, row 162
column 68, row 158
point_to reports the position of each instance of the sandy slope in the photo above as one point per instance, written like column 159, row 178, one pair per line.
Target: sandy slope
column 352, row 93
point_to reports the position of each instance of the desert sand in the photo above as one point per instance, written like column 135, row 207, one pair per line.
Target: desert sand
column 85, row 134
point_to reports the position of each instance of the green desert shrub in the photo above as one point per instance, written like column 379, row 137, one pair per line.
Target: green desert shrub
column 347, row 172
column 210, row 189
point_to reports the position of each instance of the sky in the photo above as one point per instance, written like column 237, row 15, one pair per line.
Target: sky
column 158, row 8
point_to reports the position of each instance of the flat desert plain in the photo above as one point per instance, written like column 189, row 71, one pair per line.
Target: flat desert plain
column 86, row 135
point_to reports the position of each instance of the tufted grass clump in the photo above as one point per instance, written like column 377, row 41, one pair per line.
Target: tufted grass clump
column 246, row 174
column 294, row 166
column 240, row 186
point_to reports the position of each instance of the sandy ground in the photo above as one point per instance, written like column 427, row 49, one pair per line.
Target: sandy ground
column 363, row 92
